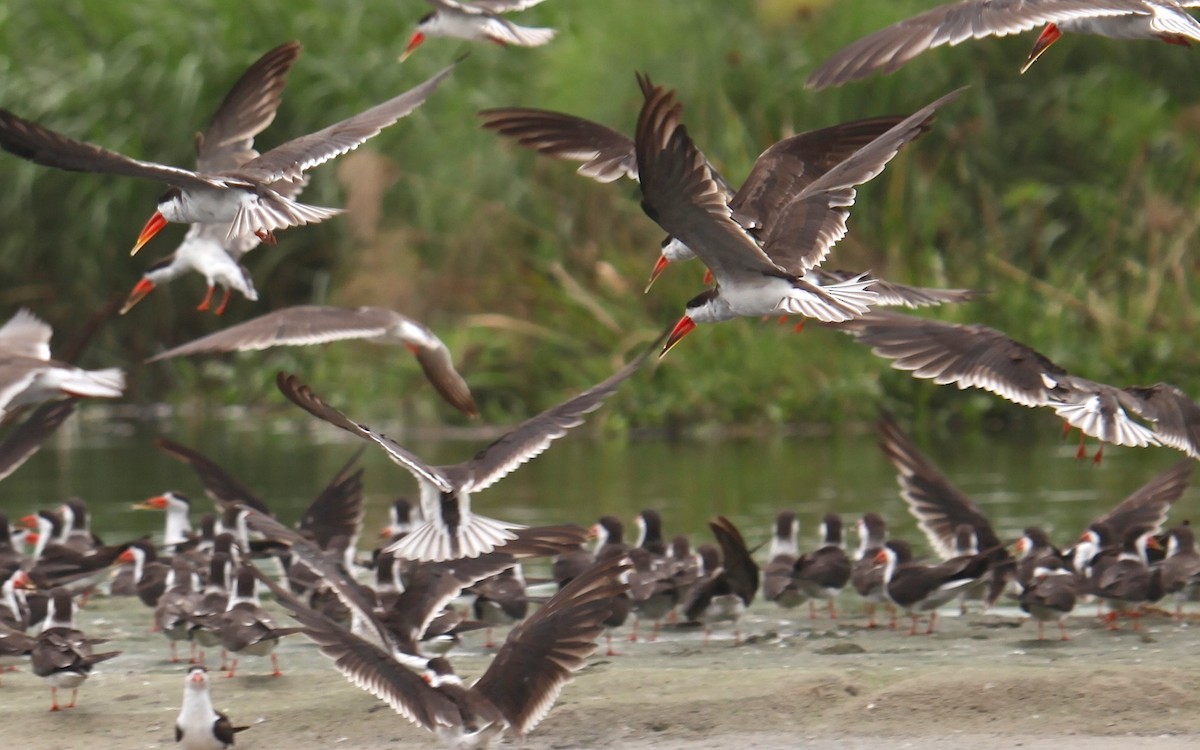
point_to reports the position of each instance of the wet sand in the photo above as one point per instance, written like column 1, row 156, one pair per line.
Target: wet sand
column 982, row 682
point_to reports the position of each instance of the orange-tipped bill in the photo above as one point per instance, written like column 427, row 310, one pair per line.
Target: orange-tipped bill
column 659, row 266
column 681, row 329
column 413, row 43
column 140, row 290
column 153, row 227
column 158, row 502
column 1049, row 36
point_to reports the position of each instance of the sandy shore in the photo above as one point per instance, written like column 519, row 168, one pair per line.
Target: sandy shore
column 981, row 683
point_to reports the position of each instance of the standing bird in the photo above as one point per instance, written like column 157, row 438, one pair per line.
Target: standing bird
column 892, row 47
column 824, row 572
column 28, row 375
column 226, row 144
column 867, row 574
column 303, row 325
column 917, row 588
column 63, row 655
column 199, row 726
column 251, row 200
column 726, row 590
column 778, row 584
column 756, row 276
column 1050, row 595
column 1181, row 568
column 477, row 21
column 449, row 529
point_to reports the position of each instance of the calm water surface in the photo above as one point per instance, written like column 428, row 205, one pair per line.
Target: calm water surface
column 1019, row 479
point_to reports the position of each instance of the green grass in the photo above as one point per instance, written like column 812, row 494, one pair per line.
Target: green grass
column 1070, row 193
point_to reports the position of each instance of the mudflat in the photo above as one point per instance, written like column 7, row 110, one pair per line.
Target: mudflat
column 981, row 682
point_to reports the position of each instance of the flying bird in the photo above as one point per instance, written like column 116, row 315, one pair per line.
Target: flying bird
column 250, row 199
column 478, row 21
column 226, row 144
column 888, row 49
column 29, row 376
column 763, row 275
column 449, row 529
column 303, row 325
column 779, row 174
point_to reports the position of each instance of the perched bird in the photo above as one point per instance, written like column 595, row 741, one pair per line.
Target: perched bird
column 918, row 588
column 1181, row 568
column 866, row 575
column 975, row 356
column 1050, row 596
column 953, row 23
column 250, row 199
column 1034, row 550
column 63, row 655
column 1127, row 582
column 519, row 687
column 245, row 627
column 825, row 571
column 956, row 527
column 778, row 584
column 199, row 726
column 477, row 21
column 302, row 325
column 449, row 528
column 226, row 144
column 756, row 276
column 29, row 376
column 728, row 588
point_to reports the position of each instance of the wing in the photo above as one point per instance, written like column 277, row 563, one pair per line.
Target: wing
column 41, row 145
column 888, row 49
column 933, row 500
column 892, row 294
column 606, row 154
column 300, row 325
column 806, row 228
column 501, row 6
column 791, row 165
column 338, row 510
column 967, row 356
column 371, row 668
column 1176, row 417
column 541, row 654
column 290, row 160
column 249, row 107
column 25, row 440
column 303, row 396
column 26, row 335
column 219, row 484
column 1149, row 504
column 1102, row 411
column 349, row 591
column 740, row 569
column 532, row 437
column 680, row 193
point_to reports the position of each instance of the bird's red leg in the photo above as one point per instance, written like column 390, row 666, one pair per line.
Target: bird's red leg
column 1041, row 630
column 633, row 633
column 224, row 302
column 1096, row 459
column 232, row 668
column 74, row 696
column 870, row 607
column 267, row 238
column 913, row 629
column 276, row 672
column 54, row 700
column 1063, row 629
column 932, row 621
column 1081, row 453
column 611, row 651
column 1176, row 40
column 206, row 301
column 832, row 610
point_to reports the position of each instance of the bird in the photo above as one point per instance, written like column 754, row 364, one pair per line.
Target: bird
column 29, row 376
column 779, row 173
column 199, row 726
column 956, row 527
column 1050, row 595
column 1181, row 568
column 976, row 356
column 226, row 144
column 248, row 200
column 518, row 688
column 825, row 571
column 449, row 529
column 302, row 325
column 888, row 49
column 727, row 588
column 756, row 276
column 1126, row 580
column 245, row 627
column 24, row 440
column 867, row 574
column 916, row 588
column 778, row 584
column 477, row 21
column 63, row 655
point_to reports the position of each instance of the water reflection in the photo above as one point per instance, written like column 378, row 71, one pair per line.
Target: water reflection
column 1019, row 479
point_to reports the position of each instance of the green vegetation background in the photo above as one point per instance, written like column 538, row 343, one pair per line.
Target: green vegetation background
column 1069, row 193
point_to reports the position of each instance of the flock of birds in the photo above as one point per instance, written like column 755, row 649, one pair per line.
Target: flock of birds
column 764, row 244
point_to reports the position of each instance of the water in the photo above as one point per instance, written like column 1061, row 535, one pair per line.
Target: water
column 1018, row 479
